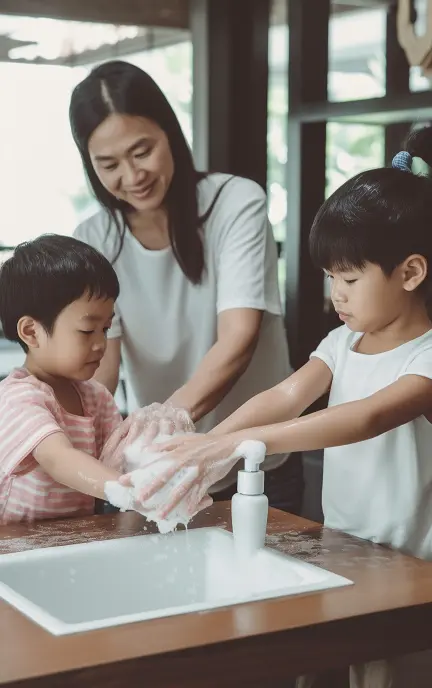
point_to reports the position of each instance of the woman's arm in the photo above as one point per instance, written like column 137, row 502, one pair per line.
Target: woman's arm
column 285, row 401
column 72, row 467
column 109, row 369
column 237, row 336
column 244, row 254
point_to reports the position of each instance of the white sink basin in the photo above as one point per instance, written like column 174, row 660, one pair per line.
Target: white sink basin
column 97, row 584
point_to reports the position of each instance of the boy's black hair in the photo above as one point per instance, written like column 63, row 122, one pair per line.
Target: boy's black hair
column 46, row 275
column 381, row 216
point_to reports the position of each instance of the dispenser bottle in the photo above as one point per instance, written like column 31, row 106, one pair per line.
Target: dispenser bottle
column 249, row 506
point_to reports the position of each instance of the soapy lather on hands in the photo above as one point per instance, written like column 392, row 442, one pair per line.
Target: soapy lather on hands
column 127, row 450
column 198, row 461
column 145, row 467
column 169, row 489
column 144, row 425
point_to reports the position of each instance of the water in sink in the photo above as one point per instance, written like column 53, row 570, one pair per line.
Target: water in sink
column 98, row 584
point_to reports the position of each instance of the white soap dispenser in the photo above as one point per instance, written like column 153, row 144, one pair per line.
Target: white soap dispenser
column 249, row 506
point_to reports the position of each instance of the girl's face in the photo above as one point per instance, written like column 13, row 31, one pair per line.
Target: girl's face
column 368, row 300
column 133, row 160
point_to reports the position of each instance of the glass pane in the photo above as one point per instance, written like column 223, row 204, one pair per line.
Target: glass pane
column 356, row 52
column 43, row 185
column 277, row 126
column 351, row 148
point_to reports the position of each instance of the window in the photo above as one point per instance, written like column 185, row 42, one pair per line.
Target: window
column 42, row 181
column 351, row 149
column 356, row 52
column 277, row 152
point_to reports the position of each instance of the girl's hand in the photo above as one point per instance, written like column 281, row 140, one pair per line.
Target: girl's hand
column 179, row 442
column 212, row 457
column 158, row 448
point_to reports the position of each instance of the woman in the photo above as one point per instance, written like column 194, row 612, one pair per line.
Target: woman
column 198, row 321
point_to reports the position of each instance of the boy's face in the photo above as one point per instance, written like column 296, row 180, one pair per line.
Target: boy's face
column 78, row 342
column 367, row 300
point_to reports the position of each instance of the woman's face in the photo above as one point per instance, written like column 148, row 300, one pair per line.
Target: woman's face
column 132, row 158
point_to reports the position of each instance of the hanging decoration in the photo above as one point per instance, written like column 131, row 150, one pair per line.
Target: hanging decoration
column 417, row 46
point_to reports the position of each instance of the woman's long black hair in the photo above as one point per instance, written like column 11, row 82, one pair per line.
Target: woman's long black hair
column 123, row 88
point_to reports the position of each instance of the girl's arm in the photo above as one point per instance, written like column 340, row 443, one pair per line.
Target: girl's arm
column 401, row 402
column 285, row 401
column 281, row 403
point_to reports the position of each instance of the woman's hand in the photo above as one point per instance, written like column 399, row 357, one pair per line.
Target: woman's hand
column 144, row 425
column 163, row 419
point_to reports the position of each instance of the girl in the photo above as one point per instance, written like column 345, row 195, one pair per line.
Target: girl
column 373, row 239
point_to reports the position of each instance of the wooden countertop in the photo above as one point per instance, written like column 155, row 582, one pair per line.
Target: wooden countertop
column 388, row 611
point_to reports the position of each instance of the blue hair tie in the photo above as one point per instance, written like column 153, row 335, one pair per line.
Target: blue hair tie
column 403, row 161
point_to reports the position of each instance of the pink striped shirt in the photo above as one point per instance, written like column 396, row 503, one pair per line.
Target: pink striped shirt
column 29, row 413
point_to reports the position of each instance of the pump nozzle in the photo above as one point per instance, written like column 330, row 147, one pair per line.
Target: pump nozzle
column 250, row 480
column 254, row 453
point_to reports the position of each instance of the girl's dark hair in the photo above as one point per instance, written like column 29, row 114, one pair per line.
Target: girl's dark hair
column 120, row 87
column 381, row 216
column 46, row 275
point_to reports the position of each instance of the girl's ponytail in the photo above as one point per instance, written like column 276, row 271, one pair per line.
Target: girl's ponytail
column 419, row 144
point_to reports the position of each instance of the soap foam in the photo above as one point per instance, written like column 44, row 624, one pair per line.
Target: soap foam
column 144, row 467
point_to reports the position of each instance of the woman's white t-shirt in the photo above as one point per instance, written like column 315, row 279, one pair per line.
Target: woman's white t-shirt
column 379, row 489
column 167, row 324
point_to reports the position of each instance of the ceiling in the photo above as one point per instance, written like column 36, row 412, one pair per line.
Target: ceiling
column 158, row 23
column 349, row 5
column 169, row 13
column 279, row 7
column 166, row 13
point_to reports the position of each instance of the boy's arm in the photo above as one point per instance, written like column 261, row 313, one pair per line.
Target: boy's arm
column 401, row 402
column 285, row 401
column 72, row 467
